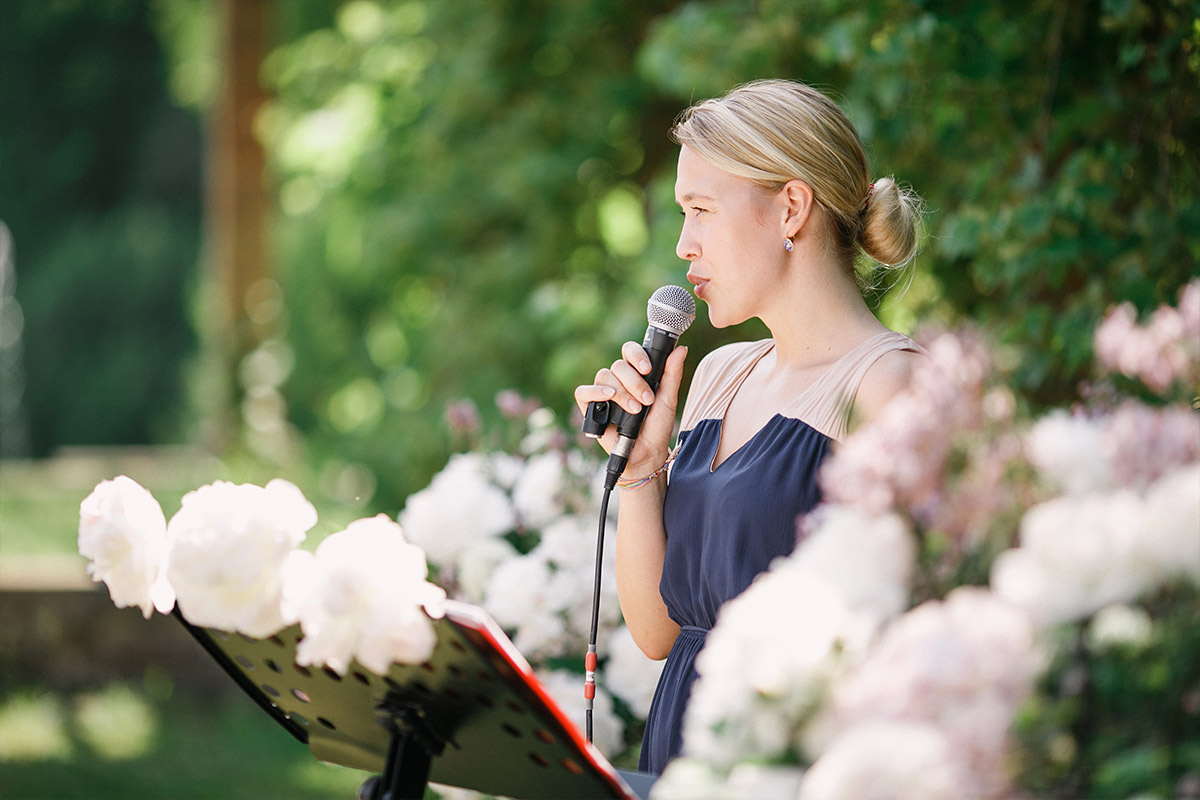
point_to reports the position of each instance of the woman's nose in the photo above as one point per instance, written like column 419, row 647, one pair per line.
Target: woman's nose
column 686, row 248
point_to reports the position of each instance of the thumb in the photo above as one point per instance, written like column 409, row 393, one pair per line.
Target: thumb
column 672, row 376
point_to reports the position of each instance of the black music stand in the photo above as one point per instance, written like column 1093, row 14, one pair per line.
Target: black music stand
column 474, row 715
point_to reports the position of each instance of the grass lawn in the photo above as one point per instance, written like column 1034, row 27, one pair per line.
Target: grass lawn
column 121, row 742
column 140, row 740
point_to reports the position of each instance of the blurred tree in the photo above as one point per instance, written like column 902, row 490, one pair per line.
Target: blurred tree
column 1055, row 143
column 100, row 188
column 478, row 195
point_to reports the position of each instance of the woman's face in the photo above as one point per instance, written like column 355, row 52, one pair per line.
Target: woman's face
column 733, row 238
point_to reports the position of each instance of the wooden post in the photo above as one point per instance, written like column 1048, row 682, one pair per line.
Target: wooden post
column 237, row 200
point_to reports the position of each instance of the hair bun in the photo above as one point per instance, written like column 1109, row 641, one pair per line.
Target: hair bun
column 891, row 223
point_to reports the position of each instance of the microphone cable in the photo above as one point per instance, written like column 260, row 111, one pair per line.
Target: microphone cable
column 589, row 665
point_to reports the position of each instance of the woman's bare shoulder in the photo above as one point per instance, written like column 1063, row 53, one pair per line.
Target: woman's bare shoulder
column 887, row 377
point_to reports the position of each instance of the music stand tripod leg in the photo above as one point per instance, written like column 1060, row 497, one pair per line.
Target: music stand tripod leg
column 406, row 772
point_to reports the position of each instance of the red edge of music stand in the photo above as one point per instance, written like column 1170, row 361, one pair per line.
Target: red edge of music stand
column 473, row 715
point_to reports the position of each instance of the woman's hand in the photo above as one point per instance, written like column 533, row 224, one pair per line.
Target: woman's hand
column 624, row 383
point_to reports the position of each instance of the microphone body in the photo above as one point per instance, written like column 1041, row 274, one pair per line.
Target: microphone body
column 670, row 311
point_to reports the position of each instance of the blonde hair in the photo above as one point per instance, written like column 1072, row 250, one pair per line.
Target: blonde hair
column 774, row 131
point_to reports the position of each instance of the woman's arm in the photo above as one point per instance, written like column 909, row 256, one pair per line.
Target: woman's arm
column 641, row 538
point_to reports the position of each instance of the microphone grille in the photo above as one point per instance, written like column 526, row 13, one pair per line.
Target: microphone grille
column 672, row 308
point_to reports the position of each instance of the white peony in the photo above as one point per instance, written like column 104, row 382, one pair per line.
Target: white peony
column 369, row 600
column 627, row 673
column 886, row 760
column 461, row 506
column 538, row 493
column 477, row 563
column 123, row 533
column 520, row 599
column 230, row 546
column 566, row 688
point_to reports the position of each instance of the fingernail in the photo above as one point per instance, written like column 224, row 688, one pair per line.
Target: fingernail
column 647, row 397
column 607, row 391
column 644, row 366
column 635, row 407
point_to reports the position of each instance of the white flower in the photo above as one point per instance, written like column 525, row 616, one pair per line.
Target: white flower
column 566, row 688
column 867, row 558
column 538, row 493
column 689, row 779
column 519, row 598
column 1070, row 450
column 1171, row 528
column 963, row 665
column 886, row 760
column 229, row 546
column 369, row 601
column 1078, row 553
column 460, row 506
column 766, row 663
column 1120, row 625
column 123, row 533
column 478, row 562
column 627, row 673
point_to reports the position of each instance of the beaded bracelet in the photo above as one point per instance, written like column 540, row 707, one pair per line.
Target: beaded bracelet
column 637, row 483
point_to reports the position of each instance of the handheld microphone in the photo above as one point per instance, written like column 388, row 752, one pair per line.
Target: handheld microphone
column 670, row 311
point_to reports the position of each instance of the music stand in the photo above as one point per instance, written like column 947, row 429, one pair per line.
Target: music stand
column 474, row 715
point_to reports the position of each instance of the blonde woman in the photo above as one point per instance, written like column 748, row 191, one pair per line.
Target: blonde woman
column 777, row 205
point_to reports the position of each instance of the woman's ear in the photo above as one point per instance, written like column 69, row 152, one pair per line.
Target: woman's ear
column 797, row 197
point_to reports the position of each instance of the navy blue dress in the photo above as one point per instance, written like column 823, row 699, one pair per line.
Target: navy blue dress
column 724, row 526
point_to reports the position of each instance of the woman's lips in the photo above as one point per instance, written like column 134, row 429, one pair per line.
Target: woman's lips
column 699, row 283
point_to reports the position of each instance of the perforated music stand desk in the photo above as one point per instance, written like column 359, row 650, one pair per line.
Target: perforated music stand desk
column 473, row 715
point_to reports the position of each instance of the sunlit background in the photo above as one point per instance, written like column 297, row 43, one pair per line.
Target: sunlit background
column 242, row 239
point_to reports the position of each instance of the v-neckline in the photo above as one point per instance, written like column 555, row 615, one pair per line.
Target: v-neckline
column 741, row 379
column 737, row 387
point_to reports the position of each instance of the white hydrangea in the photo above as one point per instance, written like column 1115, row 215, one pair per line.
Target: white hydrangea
column 1071, row 450
column 1077, row 554
column 962, row 665
column 1080, row 553
column 1120, row 625
column 765, row 665
column 461, row 506
column 1171, row 527
column 867, row 558
column 230, row 546
column 369, row 600
column 885, row 759
column 123, row 534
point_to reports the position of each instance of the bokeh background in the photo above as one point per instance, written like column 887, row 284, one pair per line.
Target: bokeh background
column 254, row 238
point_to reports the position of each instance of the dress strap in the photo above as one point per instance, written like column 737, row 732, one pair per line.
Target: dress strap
column 827, row 403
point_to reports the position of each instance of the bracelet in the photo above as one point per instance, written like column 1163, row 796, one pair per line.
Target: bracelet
column 637, row 483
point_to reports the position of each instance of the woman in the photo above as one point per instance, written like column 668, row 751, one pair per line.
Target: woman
column 777, row 203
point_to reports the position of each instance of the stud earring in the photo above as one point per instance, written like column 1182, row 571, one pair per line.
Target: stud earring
column 787, row 244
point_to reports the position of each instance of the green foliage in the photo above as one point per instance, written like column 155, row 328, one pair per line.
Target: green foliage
column 100, row 188
column 478, row 195
column 1114, row 720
